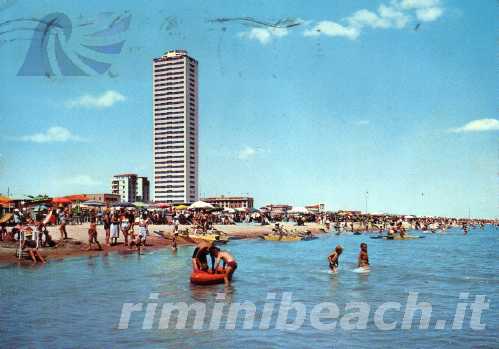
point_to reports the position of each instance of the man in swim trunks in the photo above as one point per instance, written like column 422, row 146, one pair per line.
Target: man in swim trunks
column 229, row 263
column 199, row 257
column 334, row 258
column 363, row 261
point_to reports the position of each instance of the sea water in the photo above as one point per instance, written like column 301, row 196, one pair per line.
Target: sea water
column 78, row 302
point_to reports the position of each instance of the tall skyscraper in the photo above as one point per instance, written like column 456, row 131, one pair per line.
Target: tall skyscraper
column 175, row 128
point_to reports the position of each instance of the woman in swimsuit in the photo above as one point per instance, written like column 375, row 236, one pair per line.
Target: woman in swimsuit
column 229, row 263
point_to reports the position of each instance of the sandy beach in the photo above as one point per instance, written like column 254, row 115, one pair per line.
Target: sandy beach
column 77, row 243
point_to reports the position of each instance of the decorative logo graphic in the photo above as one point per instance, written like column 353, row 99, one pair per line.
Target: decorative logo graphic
column 60, row 48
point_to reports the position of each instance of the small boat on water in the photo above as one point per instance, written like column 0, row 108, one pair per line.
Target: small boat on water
column 277, row 237
column 216, row 238
column 205, row 278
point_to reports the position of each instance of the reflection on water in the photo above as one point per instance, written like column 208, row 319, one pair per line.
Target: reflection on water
column 61, row 303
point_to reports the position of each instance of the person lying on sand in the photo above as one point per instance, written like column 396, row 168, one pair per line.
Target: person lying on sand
column 334, row 258
column 363, row 260
column 229, row 263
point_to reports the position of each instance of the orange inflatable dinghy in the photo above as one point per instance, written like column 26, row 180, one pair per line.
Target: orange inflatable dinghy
column 204, row 278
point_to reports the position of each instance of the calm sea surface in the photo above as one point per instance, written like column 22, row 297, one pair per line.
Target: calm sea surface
column 78, row 302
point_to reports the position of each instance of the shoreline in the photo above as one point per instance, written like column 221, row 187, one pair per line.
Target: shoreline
column 77, row 241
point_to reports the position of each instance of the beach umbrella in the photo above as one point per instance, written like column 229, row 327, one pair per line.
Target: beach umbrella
column 4, row 199
column 40, row 208
column 123, row 204
column 229, row 210
column 161, row 205
column 62, row 200
column 77, row 197
column 140, row 204
column 200, row 205
column 181, row 207
column 93, row 203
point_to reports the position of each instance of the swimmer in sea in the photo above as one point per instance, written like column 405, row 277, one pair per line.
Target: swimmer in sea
column 334, row 258
column 363, row 261
column 229, row 263
column 200, row 257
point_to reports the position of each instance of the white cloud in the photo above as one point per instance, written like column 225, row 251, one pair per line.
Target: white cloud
column 479, row 125
column 397, row 18
column 53, row 134
column 330, row 28
column 429, row 14
column 83, row 180
column 367, row 18
column 246, row 153
column 416, row 4
column 395, row 15
column 105, row 100
column 264, row 35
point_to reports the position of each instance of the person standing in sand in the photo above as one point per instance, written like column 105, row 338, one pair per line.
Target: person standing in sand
column 125, row 226
column 115, row 228
column 106, row 220
column 62, row 227
column 92, row 237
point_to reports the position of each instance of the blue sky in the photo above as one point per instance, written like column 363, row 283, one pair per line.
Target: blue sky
column 396, row 98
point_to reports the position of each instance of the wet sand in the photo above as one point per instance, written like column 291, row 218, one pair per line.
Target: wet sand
column 77, row 242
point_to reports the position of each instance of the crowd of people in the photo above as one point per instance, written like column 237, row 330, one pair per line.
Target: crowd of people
column 131, row 224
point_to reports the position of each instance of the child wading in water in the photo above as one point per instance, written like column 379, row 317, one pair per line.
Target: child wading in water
column 334, row 258
column 363, row 261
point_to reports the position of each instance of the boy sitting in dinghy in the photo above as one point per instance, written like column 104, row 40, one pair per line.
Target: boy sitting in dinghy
column 229, row 263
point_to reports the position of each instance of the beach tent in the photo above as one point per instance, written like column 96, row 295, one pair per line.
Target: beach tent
column 200, row 205
column 298, row 210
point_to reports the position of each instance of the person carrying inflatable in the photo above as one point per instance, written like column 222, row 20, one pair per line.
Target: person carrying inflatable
column 200, row 257
column 229, row 263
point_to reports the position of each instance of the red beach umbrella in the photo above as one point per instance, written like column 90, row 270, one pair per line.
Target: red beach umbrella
column 61, row 201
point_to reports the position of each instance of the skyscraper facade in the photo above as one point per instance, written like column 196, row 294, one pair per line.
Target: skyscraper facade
column 175, row 127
